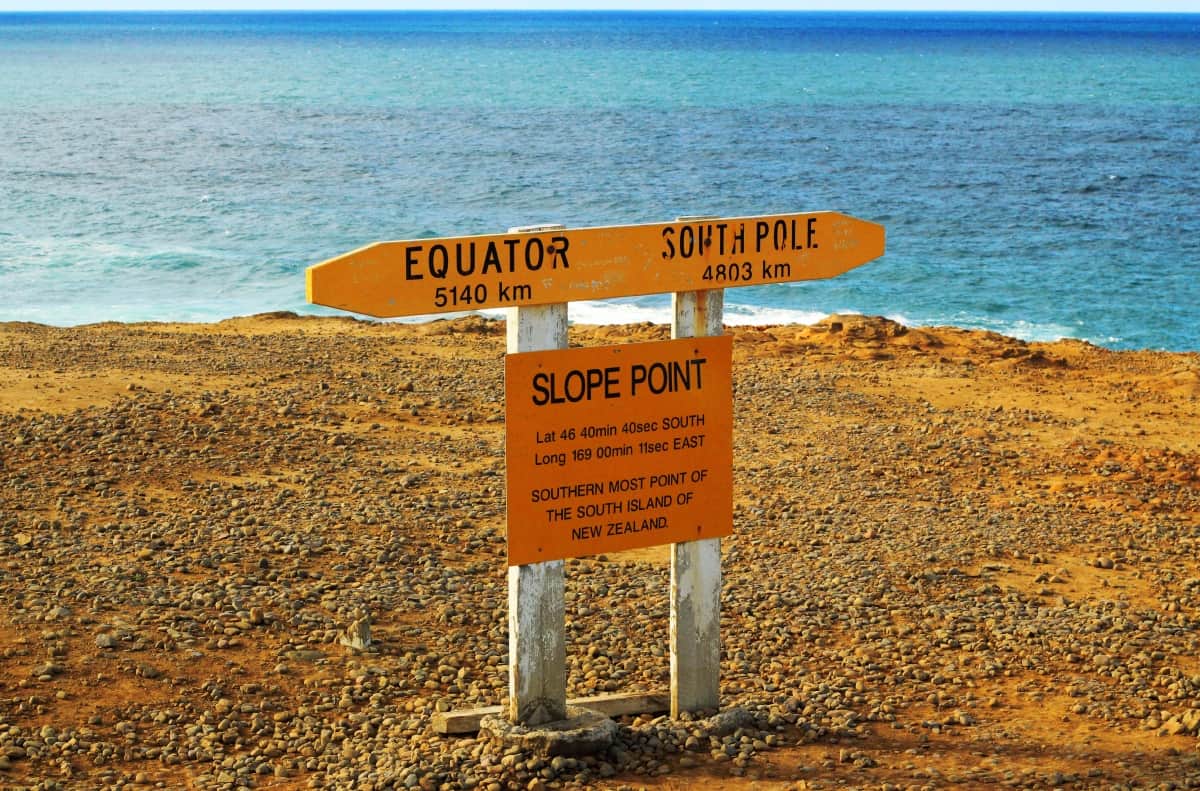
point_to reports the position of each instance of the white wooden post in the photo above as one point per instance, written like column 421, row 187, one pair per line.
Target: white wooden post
column 696, row 565
column 537, row 645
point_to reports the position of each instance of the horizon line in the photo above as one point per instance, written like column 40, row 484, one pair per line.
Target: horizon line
column 600, row 9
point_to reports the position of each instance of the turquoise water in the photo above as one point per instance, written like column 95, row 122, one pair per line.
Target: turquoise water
column 1038, row 174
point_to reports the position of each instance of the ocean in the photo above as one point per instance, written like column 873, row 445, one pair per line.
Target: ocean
column 1038, row 175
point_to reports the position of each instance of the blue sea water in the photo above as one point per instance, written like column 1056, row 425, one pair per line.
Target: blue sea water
column 1039, row 175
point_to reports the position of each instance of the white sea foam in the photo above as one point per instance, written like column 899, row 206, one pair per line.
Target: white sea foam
column 1013, row 328
column 741, row 314
column 658, row 311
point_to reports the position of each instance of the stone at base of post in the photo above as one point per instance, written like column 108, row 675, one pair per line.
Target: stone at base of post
column 580, row 732
column 695, row 626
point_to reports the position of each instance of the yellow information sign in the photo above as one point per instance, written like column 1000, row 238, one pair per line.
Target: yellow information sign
column 618, row 447
column 424, row 276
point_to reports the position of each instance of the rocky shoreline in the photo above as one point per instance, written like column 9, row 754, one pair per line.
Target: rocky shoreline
column 267, row 552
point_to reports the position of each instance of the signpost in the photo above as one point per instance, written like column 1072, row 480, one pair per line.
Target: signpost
column 537, row 640
column 550, row 264
column 615, row 447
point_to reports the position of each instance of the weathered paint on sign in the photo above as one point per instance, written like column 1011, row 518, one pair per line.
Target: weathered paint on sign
column 424, row 276
column 618, row 447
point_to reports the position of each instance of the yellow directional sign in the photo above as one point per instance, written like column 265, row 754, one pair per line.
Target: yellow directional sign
column 421, row 276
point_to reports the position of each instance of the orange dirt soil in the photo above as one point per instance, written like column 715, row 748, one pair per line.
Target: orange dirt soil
column 959, row 561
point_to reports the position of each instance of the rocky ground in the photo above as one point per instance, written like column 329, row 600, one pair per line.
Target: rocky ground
column 960, row 561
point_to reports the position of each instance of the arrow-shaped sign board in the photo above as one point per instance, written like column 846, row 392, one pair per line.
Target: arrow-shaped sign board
column 423, row 276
